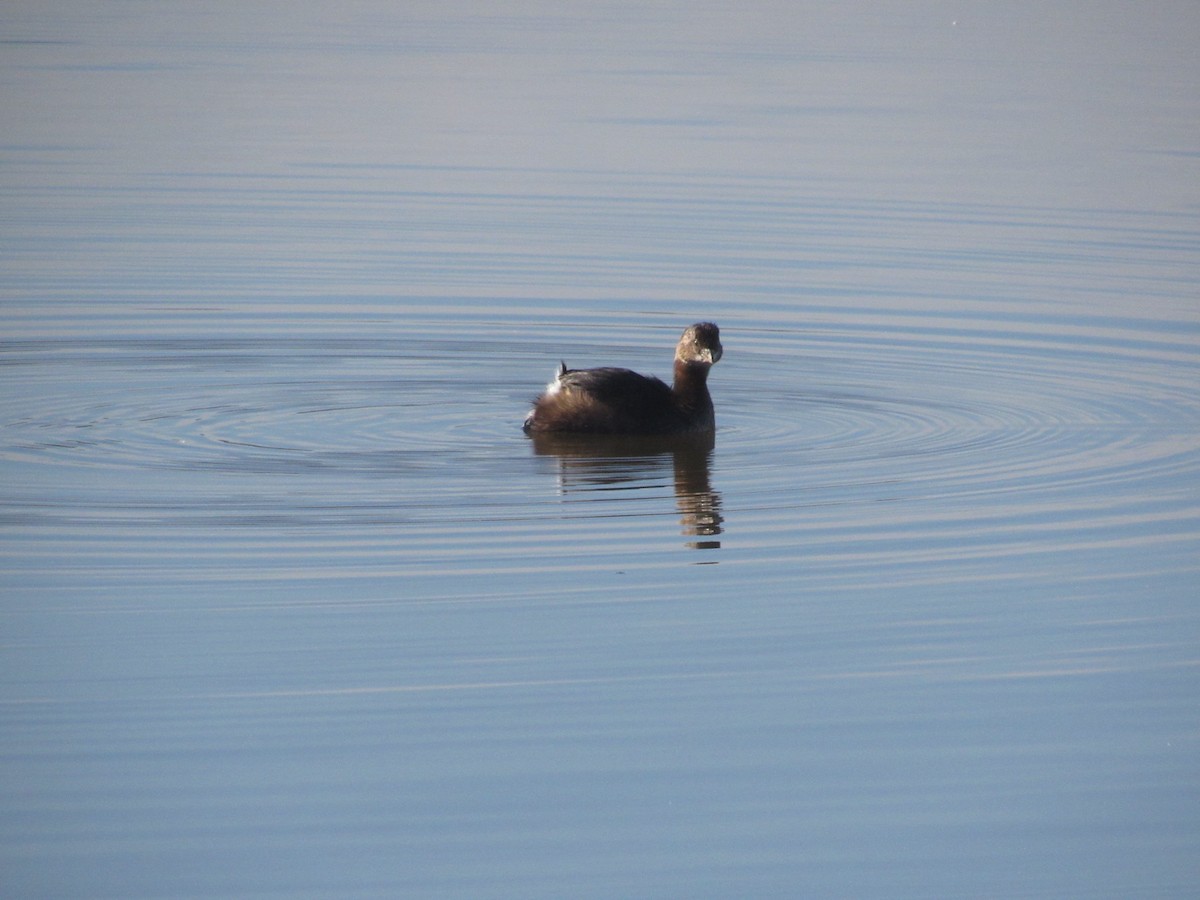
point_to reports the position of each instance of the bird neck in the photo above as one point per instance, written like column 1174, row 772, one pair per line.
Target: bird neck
column 691, row 384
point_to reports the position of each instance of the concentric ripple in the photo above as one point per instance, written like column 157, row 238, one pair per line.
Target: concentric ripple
column 943, row 449
column 836, row 441
column 311, row 410
column 974, row 414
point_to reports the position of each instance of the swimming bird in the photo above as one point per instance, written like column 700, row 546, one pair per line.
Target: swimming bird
column 612, row 400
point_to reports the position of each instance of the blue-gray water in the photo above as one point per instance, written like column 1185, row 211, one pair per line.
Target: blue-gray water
column 290, row 606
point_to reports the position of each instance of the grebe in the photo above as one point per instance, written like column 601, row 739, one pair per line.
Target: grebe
column 618, row 401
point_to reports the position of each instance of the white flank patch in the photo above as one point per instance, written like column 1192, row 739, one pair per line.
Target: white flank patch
column 555, row 385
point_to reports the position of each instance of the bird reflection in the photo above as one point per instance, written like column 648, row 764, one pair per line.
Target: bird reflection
column 604, row 462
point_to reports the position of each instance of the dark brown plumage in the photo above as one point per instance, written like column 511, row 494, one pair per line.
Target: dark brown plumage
column 618, row 401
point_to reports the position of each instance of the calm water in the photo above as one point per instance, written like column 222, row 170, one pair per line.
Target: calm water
column 292, row 608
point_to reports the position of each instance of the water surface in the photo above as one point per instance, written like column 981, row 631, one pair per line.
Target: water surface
column 291, row 607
